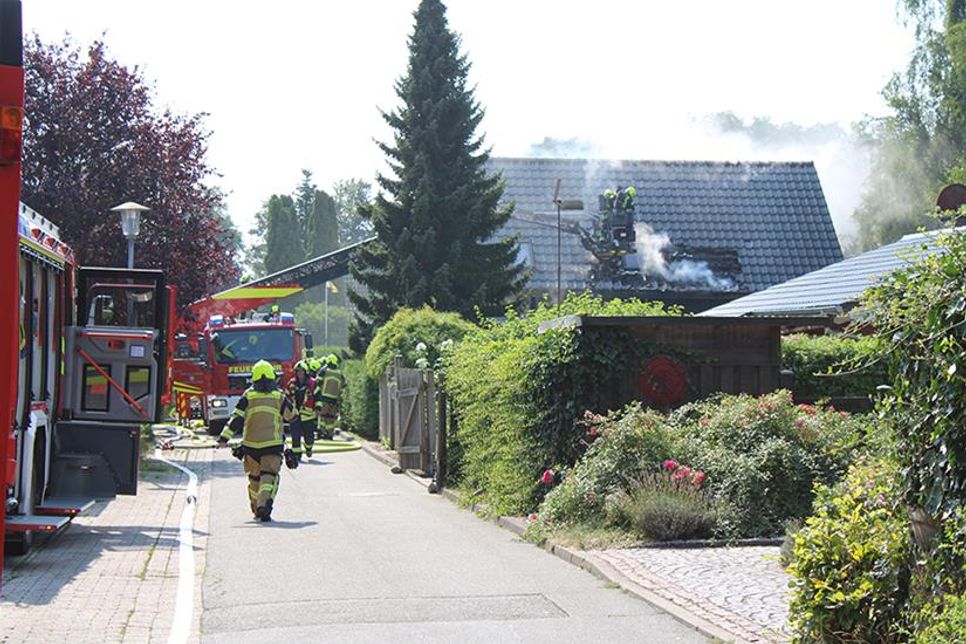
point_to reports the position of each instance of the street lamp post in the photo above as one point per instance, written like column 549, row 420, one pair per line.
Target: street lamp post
column 130, row 225
column 562, row 204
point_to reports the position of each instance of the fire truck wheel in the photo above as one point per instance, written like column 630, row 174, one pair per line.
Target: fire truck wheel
column 17, row 545
column 215, row 427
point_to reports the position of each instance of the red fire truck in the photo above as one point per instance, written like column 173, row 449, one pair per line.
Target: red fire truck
column 215, row 347
column 215, row 367
column 83, row 351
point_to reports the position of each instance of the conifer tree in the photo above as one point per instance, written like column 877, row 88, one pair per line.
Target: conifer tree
column 436, row 217
column 283, row 238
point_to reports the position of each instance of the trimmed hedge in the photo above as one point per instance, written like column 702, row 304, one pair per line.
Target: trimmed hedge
column 833, row 366
column 519, row 393
column 360, row 402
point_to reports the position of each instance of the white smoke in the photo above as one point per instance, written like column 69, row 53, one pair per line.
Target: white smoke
column 651, row 247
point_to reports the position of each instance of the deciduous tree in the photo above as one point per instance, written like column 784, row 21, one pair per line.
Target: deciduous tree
column 93, row 139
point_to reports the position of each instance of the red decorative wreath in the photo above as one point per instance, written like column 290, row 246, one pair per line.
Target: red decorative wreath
column 664, row 381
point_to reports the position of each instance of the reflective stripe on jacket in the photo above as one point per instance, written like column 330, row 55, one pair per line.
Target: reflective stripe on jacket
column 263, row 419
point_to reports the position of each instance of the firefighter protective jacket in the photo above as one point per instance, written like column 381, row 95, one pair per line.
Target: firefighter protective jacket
column 259, row 415
column 303, row 396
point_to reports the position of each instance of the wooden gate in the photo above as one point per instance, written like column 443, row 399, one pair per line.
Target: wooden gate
column 408, row 419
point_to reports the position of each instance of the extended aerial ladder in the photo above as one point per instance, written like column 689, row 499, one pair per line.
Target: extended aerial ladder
column 266, row 290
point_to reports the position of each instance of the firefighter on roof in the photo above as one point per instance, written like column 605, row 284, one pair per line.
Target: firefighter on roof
column 259, row 415
column 330, row 384
column 301, row 391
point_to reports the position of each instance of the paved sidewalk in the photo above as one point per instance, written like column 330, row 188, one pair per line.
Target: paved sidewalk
column 743, row 590
column 112, row 576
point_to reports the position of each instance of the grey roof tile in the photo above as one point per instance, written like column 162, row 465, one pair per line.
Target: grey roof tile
column 773, row 214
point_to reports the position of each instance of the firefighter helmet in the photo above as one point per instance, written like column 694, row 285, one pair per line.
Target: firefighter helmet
column 332, row 360
column 263, row 369
column 303, row 365
column 315, row 364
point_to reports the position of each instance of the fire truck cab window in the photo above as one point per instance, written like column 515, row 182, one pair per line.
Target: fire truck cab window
column 251, row 345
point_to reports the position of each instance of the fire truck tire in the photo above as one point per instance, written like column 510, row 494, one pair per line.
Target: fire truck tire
column 215, row 427
column 18, row 545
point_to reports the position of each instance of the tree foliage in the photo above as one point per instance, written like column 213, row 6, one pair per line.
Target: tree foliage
column 440, row 209
column 283, row 239
column 924, row 138
column 93, row 139
column 350, row 196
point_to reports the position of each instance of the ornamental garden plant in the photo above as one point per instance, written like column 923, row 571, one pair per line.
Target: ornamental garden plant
column 728, row 466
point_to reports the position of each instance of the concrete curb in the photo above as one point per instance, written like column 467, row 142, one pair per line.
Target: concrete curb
column 600, row 569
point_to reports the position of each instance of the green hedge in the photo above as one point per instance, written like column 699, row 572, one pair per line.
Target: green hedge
column 519, row 393
column 360, row 403
column 832, row 366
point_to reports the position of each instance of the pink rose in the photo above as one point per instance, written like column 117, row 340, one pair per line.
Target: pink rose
column 704, row 421
column 534, row 517
column 698, row 478
column 800, row 423
column 843, row 414
column 681, row 473
column 547, row 478
column 670, row 464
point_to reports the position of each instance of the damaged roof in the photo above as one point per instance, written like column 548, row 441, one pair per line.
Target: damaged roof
column 773, row 215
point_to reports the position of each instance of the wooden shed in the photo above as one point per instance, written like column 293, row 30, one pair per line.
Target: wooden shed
column 694, row 357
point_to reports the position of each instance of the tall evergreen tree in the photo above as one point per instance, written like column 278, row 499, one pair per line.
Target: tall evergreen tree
column 321, row 226
column 437, row 215
column 304, row 197
column 283, row 238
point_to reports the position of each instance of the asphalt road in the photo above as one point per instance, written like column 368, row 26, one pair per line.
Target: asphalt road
column 357, row 554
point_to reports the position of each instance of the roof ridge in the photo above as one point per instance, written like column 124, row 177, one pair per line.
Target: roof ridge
column 689, row 162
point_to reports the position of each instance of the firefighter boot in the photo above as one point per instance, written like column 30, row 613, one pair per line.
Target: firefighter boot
column 264, row 513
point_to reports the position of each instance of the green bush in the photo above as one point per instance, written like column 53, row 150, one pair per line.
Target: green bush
column 947, row 624
column 623, row 446
column 404, row 334
column 360, row 401
column 832, row 366
column 762, row 455
column 850, row 563
column 663, row 506
column 518, row 394
column 920, row 317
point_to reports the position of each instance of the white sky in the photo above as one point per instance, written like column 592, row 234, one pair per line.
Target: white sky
column 291, row 84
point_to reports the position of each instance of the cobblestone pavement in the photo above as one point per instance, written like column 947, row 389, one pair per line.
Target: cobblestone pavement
column 113, row 574
column 743, row 590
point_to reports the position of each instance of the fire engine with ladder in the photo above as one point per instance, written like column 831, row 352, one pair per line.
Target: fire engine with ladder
column 215, row 346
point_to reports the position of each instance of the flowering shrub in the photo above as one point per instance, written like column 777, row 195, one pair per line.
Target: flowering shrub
column 850, row 561
column 668, row 505
column 833, row 365
column 763, row 455
column 628, row 444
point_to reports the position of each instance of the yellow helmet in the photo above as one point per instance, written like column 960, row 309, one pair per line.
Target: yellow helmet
column 263, row 369
column 315, row 364
column 332, row 360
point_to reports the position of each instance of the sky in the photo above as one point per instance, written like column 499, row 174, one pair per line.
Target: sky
column 291, row 84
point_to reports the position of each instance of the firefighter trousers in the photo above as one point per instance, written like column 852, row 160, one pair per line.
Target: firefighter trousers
column 328, row 417
column 302, row 429
column 262, row 479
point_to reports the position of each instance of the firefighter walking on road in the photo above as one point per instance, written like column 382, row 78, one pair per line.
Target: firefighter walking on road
column 301, row 391
column 330, row 384
column 259, row 415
